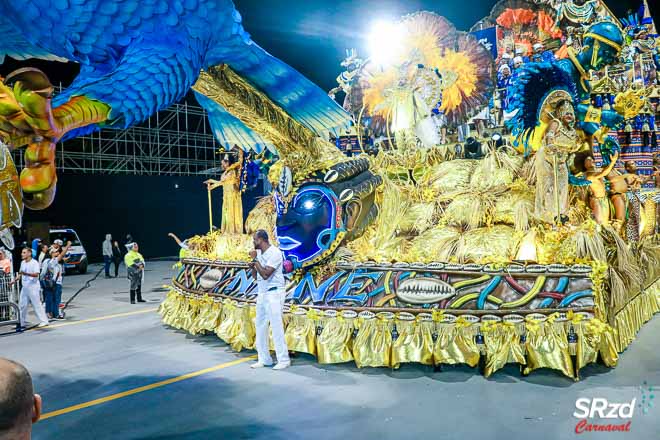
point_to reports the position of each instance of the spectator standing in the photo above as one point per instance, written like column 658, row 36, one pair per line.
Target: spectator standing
column 20, row 408
column 51, row 280
column 43, row 253
column 116, row 256
column 107, row 254
column 5, row 262
column 29, row 273
column 135, row 268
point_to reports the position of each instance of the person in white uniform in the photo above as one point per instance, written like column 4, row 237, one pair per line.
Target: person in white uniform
column 266, row 267
column 30, row 288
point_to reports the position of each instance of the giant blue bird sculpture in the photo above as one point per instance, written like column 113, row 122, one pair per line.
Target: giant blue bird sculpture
column 136, row 57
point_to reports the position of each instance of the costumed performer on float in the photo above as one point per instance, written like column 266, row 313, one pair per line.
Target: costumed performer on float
column 232, row 205
column 560, row 140
column 597, row 194
column 536, row 81
column 601, row 46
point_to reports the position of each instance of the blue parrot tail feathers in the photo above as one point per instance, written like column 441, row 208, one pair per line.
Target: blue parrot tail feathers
column 230, row 131
column 82, row 131
column 14, row 44
column 298, row 96
column 529, row 89
column 150, row 78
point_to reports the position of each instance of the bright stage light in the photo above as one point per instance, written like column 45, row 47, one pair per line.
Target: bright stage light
column 385, row 42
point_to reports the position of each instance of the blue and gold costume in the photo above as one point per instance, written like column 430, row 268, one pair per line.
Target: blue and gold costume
column 601, row 45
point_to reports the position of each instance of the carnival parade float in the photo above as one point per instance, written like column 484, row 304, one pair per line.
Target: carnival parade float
column 491, row 223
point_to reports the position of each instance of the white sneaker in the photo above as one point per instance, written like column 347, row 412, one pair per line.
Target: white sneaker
column 282, row 365
column 42, row 324
column 258, row 365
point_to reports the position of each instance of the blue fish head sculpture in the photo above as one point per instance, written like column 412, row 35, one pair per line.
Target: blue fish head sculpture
column 318, row 214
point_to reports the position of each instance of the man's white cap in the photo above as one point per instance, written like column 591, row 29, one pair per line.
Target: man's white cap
column 504, row 67
column 520, row 51
column 517, row 60
column 58, row 241
column 506, row 55
column 537, row 46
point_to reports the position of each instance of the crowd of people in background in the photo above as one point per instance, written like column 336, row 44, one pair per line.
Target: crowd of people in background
column 134, row 261
column 42, row 268
column 40, row 276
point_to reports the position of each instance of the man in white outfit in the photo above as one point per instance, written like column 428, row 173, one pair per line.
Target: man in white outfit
column 30, row 288
column 266, row 267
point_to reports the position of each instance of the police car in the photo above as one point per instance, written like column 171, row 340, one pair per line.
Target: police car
column 76, row 258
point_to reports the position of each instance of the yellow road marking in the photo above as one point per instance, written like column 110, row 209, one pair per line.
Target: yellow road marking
column 162, row 383
column 100, row 318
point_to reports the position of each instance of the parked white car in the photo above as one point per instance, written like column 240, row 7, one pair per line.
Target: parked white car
column 76, row 258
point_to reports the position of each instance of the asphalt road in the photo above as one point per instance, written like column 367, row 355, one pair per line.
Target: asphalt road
column 111, row 350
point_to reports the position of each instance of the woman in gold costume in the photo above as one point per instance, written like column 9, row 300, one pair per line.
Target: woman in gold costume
column 232, row 205
column 560, row 139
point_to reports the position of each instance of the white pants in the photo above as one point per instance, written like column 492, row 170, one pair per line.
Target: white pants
column 269, row 310
column 30, row 294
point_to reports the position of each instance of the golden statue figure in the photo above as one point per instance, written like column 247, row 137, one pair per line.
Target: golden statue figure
column 232, row 205
column 560, row 139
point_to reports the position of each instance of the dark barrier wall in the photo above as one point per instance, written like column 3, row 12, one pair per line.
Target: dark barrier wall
column 148, row 207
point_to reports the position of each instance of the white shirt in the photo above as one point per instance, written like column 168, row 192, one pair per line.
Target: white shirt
column 271, row 258
column 55, row 268
column 31, row 266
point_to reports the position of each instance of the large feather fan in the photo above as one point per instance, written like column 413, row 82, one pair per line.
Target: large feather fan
column 429, row 40
column 535, row 81
column 524, row 22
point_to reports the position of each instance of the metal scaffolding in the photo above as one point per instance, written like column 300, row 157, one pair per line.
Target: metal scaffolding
column 175, row 141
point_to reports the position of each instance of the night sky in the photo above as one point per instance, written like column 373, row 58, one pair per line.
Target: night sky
column 312, row 35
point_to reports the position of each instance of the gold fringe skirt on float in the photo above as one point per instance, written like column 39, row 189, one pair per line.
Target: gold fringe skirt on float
column 335, row 343
column 564, row 344
column 639, row 310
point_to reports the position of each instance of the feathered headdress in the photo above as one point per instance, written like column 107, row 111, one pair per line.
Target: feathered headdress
column 534, row 83
column 638, row 22
column 440, row 67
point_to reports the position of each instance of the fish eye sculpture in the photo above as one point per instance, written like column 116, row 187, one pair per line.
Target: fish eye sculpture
column 326, row 208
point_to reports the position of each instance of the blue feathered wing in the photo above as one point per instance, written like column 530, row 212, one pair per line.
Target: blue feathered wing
column 141, row 56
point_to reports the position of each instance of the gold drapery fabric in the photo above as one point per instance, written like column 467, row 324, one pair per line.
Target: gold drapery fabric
column 455, row 343
column 545, row 345
column 300, row 333
column 502, row 345
column 630, row 319
column 335, row 343
column 414, row 343
column 372, row 346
